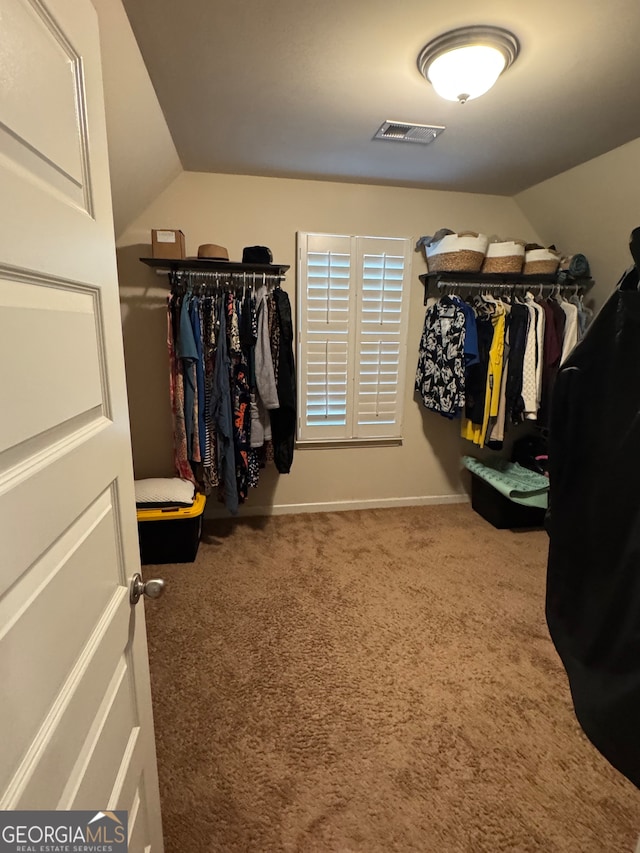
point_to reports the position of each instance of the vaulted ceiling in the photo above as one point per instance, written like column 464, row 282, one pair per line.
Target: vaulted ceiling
column 298, row 89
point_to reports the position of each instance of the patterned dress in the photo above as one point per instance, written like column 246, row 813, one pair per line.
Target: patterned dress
column 440, row 376
column 241, row 400
column 209, row 466
column 248, row 337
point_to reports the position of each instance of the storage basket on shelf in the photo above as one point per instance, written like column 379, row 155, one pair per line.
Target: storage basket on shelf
column 541, row 262
column 463, row 252
column 504, row 257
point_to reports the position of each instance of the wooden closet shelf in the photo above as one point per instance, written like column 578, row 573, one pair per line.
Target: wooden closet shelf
column 207, row 265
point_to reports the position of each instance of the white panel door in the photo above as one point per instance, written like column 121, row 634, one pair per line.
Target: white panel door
column 75, row 703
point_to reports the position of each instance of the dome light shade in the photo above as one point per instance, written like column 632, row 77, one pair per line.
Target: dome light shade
column 466, row 72
column 464, row 64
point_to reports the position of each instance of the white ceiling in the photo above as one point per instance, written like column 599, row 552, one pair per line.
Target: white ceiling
column 297, row 89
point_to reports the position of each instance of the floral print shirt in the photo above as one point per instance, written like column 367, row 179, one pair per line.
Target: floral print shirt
column 440, row 376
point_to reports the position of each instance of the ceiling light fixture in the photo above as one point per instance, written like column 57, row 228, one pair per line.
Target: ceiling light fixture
column 465, row 63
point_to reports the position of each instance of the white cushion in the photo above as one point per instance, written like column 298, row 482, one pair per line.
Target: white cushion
column 165, row 490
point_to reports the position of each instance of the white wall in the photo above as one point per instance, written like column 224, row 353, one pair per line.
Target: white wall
column 591, row 209
column 238, row 211
column 142, row 156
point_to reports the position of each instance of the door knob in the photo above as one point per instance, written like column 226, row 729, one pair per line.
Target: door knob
column 153, row 588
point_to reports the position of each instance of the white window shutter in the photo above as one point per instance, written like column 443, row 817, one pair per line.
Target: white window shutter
column 353, row 307
column 325, row 315
column 384, row 266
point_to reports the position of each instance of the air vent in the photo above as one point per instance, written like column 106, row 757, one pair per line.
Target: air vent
column 399, row 131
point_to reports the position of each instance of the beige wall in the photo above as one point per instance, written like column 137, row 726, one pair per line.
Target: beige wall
column 591, row 209
column 238, row 211
column 142, row 156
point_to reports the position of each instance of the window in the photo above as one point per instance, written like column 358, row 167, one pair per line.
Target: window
column 353, row 306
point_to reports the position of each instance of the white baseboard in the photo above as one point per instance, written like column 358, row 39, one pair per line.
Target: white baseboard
column 215, row 510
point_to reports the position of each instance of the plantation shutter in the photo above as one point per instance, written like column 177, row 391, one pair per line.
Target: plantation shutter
column 325, row 312
column 353, row 305
column 382, row 317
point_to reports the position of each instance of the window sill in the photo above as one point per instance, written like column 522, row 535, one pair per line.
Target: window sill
column 337, row 443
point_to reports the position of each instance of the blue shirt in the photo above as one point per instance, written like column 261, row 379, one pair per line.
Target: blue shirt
column 471, row 351
column 187, row 351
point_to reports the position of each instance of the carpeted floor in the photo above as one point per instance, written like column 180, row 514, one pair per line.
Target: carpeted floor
column 371, row 682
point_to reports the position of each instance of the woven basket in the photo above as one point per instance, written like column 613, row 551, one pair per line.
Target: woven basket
column 457, row 253
column 463, row 261
column 507, row 264
column 540, row 268
column 541, row 262
column 504, row 257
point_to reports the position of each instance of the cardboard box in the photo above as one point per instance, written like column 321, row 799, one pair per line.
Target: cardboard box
column 166, row 243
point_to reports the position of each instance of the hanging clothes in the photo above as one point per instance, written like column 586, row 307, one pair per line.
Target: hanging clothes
column 540, row 325
column 494, row 377
column 264, row 370
column 585, row 315
column 529, row 379
column 231, row 363
column 222, row 413
column 495, row 437
column 494, row 362
column 266, row 397
column 555, row 321
column 209, row 462
column 518, row 330
column 440, row 375
column 188, row 354
column 476, row 380
column 570, row 338
column 195, row 314
column 495, row 330
column 283, row 419
column 241, row 398
column 176, row 393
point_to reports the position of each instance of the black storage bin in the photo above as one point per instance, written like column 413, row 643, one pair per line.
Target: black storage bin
column 170, row 535
column 499, row 510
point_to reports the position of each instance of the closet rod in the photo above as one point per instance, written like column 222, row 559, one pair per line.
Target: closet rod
column 478, row 282
column 226, row 279
column 574, row 286
column 537, row 288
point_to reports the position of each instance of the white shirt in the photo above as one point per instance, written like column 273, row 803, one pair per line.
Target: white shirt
column 570, row 330
column 529, row 380
column 540, row 346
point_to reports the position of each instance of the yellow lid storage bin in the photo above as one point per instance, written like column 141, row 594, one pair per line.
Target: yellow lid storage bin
column 170, row 534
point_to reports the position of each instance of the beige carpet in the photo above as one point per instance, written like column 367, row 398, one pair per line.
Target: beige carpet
column 372, row 681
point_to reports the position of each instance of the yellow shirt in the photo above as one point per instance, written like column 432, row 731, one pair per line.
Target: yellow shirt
column 477, row 433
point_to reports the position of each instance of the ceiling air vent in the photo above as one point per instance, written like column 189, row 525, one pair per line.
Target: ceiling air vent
column 399, row 131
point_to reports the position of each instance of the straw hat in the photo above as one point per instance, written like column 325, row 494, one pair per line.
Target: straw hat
column 213, row 252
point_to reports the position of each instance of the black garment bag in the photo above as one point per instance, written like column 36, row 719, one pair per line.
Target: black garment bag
column 593, row 576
